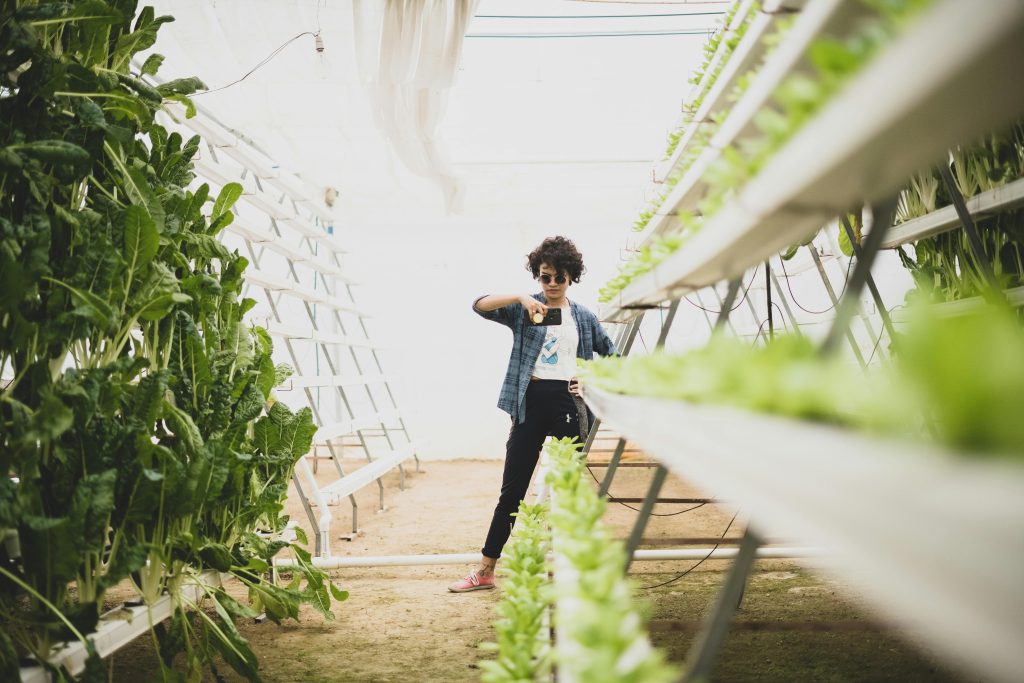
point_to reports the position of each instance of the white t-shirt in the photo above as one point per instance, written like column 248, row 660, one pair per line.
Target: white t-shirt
column 557, row 359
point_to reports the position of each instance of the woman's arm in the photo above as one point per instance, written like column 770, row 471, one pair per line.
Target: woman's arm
column 493, row 302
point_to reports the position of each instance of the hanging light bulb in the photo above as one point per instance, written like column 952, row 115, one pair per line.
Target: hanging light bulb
column 322, row 66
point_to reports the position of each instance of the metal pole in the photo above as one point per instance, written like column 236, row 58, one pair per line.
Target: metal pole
column 613, row 464
column 973, row 238
column 645, row 513
column 835, row 304
column 623, row 344
column 785, row 302
column 768, row 289
column 730, row 297
column 882, row 311
column 883, row 213
column 708, row 642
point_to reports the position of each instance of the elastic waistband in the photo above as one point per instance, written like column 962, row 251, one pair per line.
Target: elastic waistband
column 550, row 382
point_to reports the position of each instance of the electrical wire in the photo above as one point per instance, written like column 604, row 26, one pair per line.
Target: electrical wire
column 699, row 562
column 653, row 514
column 880, row 335
column 263, row 63
column 737, row 305
column 846, row 281
column 765, row 322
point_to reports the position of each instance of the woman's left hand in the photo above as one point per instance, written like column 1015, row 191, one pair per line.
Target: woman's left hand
column 574, row 387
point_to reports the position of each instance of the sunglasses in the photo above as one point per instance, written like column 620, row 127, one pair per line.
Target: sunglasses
column 546, row 279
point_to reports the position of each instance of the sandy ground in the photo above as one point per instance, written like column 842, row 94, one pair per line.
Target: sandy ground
column 401, row 624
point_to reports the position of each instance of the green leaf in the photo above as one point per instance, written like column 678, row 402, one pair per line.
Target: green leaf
column 226, row 199
column 98, row 310
column 282, row 372
column 250, row 404
column 339, row 594
column 161, row 305
column 235, row 608
column 141, row 239
column 143, row 89
column 181, row 86
column 53, row 151
column 216, row 556
column 152, row 64
column 190, row 107
column 184, row 428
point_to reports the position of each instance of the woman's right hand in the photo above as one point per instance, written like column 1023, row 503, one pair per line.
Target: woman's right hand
column 532, row 306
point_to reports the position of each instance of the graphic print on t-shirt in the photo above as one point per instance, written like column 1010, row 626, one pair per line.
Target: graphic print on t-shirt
column 549, row 352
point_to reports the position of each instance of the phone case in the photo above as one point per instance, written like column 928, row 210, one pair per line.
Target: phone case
column 553, row 317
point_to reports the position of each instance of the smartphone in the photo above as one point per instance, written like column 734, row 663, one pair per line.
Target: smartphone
column 552, row 317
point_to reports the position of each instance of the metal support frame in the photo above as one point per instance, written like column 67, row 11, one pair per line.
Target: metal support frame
column 883, row 313
column 312, row 250
column 624, row 344
column 730, row 298
column 661, row 472
column 973, row 238
column 883, row 214
column 835, row 304
column 784, row 300
column 613, row 464
column 712, row 634
column 645, row 513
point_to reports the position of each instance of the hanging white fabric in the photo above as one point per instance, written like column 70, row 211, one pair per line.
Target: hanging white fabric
column 407, row 53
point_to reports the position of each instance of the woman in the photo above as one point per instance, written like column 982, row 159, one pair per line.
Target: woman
column 540, row 390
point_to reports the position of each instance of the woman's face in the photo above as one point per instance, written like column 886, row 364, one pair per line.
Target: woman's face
column 549, row 280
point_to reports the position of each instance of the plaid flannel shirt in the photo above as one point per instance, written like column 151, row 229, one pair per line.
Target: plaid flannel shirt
column 526, row 344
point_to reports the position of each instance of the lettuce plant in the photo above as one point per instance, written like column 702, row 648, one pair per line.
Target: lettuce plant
column 969, row 406
column 798, row 98
column 521, row 642
column 602, row 635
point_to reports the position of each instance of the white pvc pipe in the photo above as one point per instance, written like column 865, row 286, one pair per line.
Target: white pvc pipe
column 469, row 558
column 321, row 502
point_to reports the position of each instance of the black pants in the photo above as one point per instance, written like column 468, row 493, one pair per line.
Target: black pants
column 550, row 411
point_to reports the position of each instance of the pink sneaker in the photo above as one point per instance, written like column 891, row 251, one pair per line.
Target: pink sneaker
column 473, row 582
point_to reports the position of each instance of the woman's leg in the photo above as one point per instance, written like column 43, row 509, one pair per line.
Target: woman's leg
column 521, row 453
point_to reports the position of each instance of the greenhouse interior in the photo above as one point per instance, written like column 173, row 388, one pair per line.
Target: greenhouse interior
column 239, row 440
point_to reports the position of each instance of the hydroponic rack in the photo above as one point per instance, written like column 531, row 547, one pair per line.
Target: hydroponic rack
column 900, row 114
column 312, row 309
column 932, row 538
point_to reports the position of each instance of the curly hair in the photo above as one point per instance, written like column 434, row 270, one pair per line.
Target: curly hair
column 559, row 253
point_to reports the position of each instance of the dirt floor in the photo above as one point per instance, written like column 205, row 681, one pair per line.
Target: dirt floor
column 400, row 623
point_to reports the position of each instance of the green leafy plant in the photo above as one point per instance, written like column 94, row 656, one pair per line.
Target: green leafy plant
column 832, row 61
column 132, row 419
column 521, row 641
column 602, row 634
column 944, row 266
column 968, row 405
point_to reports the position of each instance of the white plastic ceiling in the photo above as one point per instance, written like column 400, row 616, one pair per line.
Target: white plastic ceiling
column 547, row 101
column 549, row 136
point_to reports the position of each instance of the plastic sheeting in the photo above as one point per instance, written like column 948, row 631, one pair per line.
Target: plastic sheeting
column 407, row 53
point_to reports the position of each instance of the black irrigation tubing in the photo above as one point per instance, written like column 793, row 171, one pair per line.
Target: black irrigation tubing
column 653, row 514
column 880, row 335
column 846, row 281
column 701, row 561
column 765, row 322
column 741, row 300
